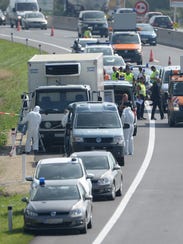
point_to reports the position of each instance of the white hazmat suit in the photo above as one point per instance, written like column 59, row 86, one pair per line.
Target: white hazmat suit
column 33, row 120
column 127, row 118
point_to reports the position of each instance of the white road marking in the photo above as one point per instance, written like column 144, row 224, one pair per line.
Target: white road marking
column 121, row 207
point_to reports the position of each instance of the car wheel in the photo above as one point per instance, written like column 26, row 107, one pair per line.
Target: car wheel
column 119, row 192
column 113, row 192
column 90, row 223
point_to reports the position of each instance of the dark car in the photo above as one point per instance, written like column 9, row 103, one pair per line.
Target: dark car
column 107, row 178
column 94, row 19
column 2, row 18
column 57, row 206
column 162, row 21
column 147, row 33
column 34, row 20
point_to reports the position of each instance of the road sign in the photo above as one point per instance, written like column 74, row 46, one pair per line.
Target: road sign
column 141, row 7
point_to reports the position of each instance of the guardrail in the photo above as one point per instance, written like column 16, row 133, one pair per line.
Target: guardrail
column 165, row 37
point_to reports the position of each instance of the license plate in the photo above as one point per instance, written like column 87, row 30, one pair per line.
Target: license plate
column 53, row 221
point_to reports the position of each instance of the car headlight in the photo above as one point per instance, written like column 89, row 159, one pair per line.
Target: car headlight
column 104, row 181
column 139, row 50
column 78, row 139
column 118, row 140
column 76, row 212
column 30, row 213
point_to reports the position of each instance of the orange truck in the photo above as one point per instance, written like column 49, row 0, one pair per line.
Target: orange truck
column 175, row 99
column 125, row 39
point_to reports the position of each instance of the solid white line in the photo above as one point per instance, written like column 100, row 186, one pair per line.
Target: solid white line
column 121, row 207
column 46, row 43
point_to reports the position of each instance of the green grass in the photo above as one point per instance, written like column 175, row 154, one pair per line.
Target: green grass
column 13, row 82
column 16, row 236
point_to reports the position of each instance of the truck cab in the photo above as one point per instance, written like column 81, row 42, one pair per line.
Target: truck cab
column 175, row 99
column 95, row 126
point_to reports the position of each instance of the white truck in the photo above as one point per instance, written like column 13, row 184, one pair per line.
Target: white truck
column 55, row 81
column 18, row 8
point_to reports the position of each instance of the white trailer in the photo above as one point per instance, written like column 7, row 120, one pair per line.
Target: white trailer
column 55, row 81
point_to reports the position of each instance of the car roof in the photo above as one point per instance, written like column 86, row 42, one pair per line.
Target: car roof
column 91, row 153
column 61, row 182
column 118, row 82
column 59, row 160
column 171, row 67
column 94, row 106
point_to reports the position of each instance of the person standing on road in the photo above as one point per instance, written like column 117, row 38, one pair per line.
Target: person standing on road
column 33, row 120
column 127, row 119
column 156, row 99
column 141, row 96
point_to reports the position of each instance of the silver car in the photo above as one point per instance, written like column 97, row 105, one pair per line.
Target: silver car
column 59, row 169
column 34, row 20
column 108, row 178
column 59, row 206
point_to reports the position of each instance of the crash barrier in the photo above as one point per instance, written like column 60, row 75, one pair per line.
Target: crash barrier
column 165, row 37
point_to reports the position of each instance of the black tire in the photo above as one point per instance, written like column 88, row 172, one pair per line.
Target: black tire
column 113, row 192
column 84, row 229
column 90, row 224
column 120, row 190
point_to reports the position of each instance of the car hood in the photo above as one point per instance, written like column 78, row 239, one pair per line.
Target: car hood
column 126, row 46
column 98, row 173
column 98, row 132
column 62, row 205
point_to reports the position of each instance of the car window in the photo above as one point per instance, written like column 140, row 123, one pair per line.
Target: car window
column 54, row 193
column 93, row 15
column 113, row 61
column 59, row 171
column 95, row 162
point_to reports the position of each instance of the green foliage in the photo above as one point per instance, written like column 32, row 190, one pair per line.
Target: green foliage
column 17, row 234
column 13, row 82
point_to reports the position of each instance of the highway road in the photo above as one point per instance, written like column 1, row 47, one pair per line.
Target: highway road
column 151, row 208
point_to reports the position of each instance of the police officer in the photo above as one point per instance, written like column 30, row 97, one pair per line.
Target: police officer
column 88, row 33
column 115, row 74
column 129, row 76
column 154, row 75
column 156, row 99
column 141, row 96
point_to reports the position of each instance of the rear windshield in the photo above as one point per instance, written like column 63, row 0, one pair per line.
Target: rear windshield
column 93, row 15
column 96, row 120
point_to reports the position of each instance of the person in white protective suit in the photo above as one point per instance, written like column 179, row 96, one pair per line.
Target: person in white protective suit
column 127, row 118
column 33, row 120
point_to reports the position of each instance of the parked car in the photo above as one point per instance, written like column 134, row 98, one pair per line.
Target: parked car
column 109, row 61
column 162, row 21
column 2, row 18
column 60, row 169
column 108, row 178
column 94, row 19
column 34, row 20
column 57, row 206
column 147, row 33
column 148, row 15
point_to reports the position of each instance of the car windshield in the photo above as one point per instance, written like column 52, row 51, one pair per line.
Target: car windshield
column 178, row 89
column 55, row 193
column 56, row 171
column 105, row 51
column 113, row 61
column 95, row 120
column 95, row 162
column 84, row 42
column 125, row 39
column 94, row 15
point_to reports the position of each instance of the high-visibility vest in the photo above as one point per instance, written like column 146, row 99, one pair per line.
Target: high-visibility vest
column 154, row 75
column 129, row 77
column 121, row 75
column 114, row 75
column 142, row 90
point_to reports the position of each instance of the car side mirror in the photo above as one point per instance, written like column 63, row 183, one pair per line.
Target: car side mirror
column 25, row 199
column 29, row 178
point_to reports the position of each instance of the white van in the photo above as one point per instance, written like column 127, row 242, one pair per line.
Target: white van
column 95, row 126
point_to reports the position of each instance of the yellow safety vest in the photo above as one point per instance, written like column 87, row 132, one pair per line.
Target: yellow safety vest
column 129, row 77
column 142, row 90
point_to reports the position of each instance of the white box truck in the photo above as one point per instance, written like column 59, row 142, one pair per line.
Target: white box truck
column 55, row 81
column 18, row 8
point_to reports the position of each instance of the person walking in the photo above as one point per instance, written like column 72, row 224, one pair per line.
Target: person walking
column 156, row 99
column 154, row 77
column 127, row 119
column 33, row 120
column 141, row 96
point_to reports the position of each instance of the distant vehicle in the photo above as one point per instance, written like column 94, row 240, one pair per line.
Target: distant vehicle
column 2, row 18
column 94, row 19
column 124, row 10
column 61, row 169
column 110, row 61
column 147, row 33
column 104, row 48
column 108, row 178
column 161, row 21
column 58, row 206
column 34, row 20
column 83, row 42
column 165, row 73
column 148, row 15
column 128, row 45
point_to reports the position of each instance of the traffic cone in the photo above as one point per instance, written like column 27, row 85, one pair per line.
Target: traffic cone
column 169, row 61
column 151, row 57
column 18, row 26
column 52, row 31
